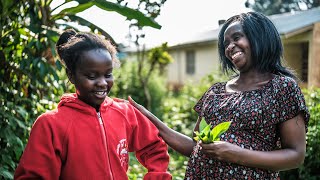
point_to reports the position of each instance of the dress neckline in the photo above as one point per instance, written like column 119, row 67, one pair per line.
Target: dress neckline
column 249, row 91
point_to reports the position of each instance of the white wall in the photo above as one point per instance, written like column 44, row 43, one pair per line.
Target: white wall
column 206, row 61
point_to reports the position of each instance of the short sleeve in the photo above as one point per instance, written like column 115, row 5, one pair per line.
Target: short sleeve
column 291, row 100
column 215, row 88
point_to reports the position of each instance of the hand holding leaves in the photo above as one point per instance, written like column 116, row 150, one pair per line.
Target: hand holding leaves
column 208, row 135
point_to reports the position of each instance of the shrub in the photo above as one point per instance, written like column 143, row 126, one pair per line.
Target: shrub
column 310, row 168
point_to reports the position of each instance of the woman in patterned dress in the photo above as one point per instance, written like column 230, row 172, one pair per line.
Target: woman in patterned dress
column 263, row 101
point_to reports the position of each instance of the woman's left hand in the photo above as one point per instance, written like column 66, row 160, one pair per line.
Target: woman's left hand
column 222, row 151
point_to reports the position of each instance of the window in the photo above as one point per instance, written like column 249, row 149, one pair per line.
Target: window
column 190, row 62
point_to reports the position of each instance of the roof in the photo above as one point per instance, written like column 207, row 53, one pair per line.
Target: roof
column 199, row 38
column 288, row 24
column 292, row 23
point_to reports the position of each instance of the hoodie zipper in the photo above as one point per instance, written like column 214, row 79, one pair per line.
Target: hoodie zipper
column 104, row 138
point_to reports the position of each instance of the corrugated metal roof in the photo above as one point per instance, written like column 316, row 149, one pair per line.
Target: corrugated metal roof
column 286, row 23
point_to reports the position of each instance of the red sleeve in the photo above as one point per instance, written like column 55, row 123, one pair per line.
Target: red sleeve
column 151, row 150
column 40, row 159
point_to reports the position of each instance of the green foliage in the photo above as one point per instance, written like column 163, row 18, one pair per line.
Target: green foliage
column 127, row 83
column 27, row 70
column 31, row 78
column 32, row 81
column 160, row 55
column 136, row 170
column 208, row 135
column 277, row 7
column 310, row 168
column 130, row 14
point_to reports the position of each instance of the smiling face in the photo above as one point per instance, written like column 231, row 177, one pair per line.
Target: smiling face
column 93, row 76
column 237, row 47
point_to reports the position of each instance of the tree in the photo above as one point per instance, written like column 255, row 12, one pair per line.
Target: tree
column 31, row 79
column 136, row 36
column 281, row 6
column 156, row 56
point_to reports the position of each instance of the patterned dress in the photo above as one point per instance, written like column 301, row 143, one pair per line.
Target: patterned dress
column 255, row 115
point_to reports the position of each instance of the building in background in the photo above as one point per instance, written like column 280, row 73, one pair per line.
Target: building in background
column 198, row 56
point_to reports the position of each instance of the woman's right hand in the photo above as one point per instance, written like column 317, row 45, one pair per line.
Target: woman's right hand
column 142, row 109
column 178, row 141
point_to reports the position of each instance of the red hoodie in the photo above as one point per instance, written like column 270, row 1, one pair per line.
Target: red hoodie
column 70, row 143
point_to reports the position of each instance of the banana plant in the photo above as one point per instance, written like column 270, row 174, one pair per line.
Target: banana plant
column 31, row 79
column 69, row 14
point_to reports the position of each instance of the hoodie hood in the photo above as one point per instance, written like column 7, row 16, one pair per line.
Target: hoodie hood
column 72, row 101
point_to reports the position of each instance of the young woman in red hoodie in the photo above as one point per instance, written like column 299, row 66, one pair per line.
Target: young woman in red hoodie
column 89, row 135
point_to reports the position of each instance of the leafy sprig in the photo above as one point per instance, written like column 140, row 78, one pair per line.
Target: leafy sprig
column 208, row 135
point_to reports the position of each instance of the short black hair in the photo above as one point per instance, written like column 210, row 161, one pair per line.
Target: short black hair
column 72, row 44
column 265, row 43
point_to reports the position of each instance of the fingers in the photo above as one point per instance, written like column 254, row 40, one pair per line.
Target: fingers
column 133, row 103
column 208, row 149
column 206, row 146
column 131, row 100
column 120, row 100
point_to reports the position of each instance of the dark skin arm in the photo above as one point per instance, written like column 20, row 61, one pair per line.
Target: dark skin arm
column 177, row 141
column 293, row 142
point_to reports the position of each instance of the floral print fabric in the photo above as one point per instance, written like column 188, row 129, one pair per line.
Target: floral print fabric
column 255, row 115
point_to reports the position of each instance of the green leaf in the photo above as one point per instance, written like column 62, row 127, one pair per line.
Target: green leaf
column 6, row 7
column 196, row 138
column 21, row 111
column 203, row 124
column 84, row 22
column 109, row 6
column 77, row 9
column 19, row 147
column 207, row 135
column 58, row 65
column 80, row 1
column 205, row 139
column 219, row 129
column 6, row 174
column 43, row 68
column 206, row 130
column 127, row 12
column 13, row 119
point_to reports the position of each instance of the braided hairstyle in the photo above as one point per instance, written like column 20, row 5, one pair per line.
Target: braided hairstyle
column 265, row 43
column 71, row 45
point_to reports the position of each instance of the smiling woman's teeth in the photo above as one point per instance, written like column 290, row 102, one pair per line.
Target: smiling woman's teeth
column 236, row 54
column 100, row 92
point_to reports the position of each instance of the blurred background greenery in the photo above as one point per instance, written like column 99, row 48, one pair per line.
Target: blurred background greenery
column 32, row 80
